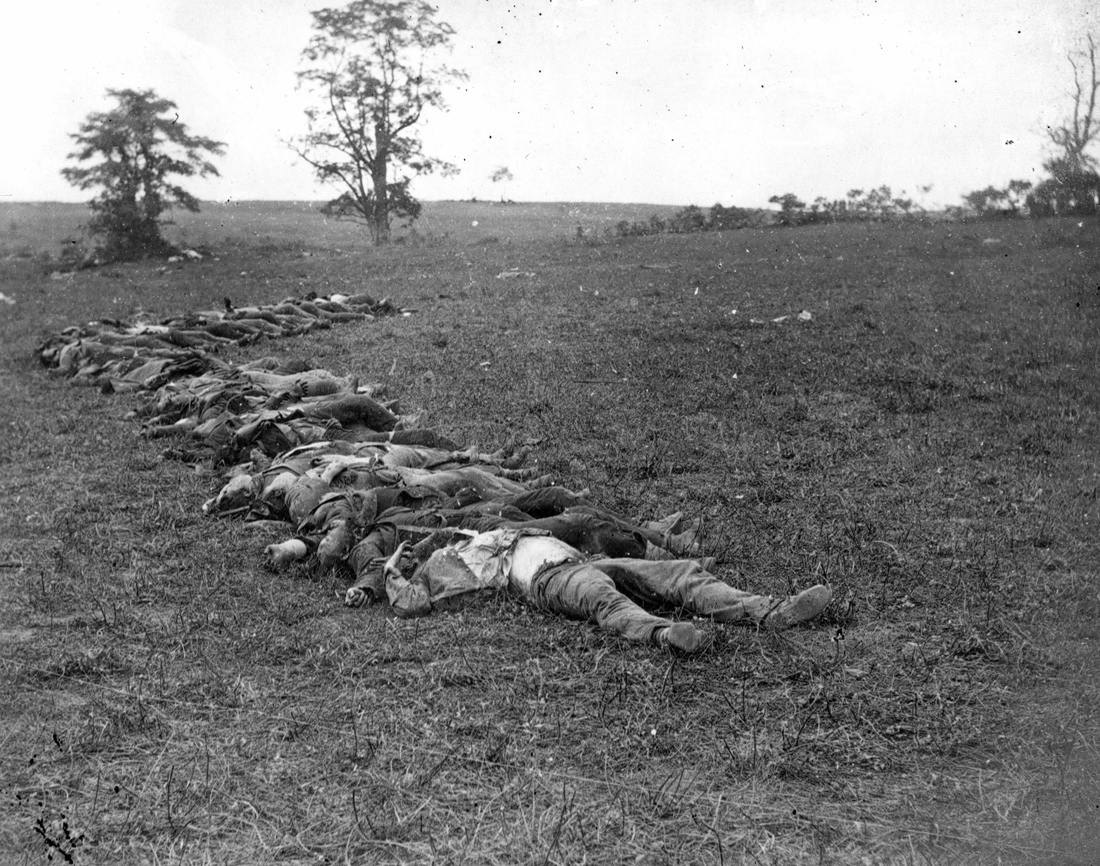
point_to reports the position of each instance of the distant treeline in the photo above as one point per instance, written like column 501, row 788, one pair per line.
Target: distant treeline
column 694, row 219
column 1067, row 194
column 875, row 205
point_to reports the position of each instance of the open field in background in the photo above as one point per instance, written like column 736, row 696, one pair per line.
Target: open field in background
column 41, row 229
column 928, row 443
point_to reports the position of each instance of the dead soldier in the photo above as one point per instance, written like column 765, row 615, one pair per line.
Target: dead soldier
column 550, row 575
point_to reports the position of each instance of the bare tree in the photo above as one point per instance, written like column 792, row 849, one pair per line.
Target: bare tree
column 1074, row 185
column 1079, row 130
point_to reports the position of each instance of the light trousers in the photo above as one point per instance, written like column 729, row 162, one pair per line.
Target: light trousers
column 609, row 592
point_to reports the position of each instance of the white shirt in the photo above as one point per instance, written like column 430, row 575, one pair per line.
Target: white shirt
column 488, row 560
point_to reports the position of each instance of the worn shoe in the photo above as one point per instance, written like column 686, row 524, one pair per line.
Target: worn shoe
column 682, row 636
column 684, row 544
column 666, row 524
column 799, row 608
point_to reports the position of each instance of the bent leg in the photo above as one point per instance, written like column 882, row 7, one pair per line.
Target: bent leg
column 590, row 534
column 684, row 583
column 583, row 592
column 546, row 501
column 681, row 544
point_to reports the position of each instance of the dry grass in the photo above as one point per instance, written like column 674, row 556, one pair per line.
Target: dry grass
column 927, row 443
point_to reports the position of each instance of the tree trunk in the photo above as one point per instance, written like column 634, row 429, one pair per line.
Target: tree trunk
column 378, row 178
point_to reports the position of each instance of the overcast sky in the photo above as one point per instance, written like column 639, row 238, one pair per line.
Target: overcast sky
column 655, row 101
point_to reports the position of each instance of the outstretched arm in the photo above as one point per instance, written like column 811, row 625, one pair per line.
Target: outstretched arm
column 407, row 598
column 438, row 539
column 367, row 560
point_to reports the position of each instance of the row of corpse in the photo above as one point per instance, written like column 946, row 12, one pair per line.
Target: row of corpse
column 331, row 461
column 124, row 356
column 272, row 406
column 350, row 477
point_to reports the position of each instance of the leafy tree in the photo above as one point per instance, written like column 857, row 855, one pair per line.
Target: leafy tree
column 854, row 203
column 688, row 219
column 819, row 212
column 371, row 65
column 880, row 202
column 1071, row 190
column 790, row 208
column 140, row 145
column 501, row 175
column 982, row 200
column 722, row 218
column 994, row 202
column 1016, row 193
column 905, row 205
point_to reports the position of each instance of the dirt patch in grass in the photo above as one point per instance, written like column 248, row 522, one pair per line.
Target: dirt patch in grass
column 926, row 442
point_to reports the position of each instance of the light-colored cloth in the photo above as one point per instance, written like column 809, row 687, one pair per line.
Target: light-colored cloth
column 550, row 575
column 609, row 592
column 533, row 554
column 449, row 481
column 503, row 558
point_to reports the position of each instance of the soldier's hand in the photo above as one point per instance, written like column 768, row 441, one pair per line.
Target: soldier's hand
column 392, row 568
column 355, row 597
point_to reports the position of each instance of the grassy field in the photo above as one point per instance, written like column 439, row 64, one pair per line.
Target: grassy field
column 42, row 230
column 927, row 443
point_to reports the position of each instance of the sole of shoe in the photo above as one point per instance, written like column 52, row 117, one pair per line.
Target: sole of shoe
column 685, row 637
